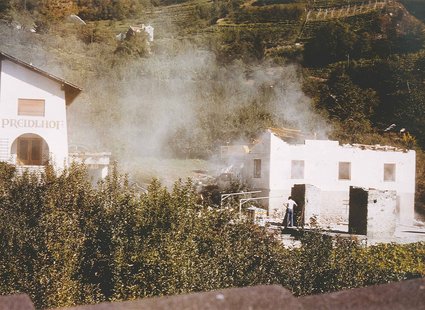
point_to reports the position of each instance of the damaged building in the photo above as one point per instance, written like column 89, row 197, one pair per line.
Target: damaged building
column 319, row 173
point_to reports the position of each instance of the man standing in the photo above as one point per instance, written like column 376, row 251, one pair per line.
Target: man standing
column 290, row 205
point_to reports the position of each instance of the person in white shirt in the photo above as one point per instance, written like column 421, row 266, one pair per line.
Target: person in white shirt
column 290, row 207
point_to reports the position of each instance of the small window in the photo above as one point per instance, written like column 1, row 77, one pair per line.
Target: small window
column 31, row 107
column 297, row 169
column 257, row 168
column 389, row 172
column 344, row 171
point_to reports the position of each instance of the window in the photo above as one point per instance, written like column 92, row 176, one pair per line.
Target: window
column 257, row 168
column 30, row 151
column 31, row 107
column 344, row 171
column 297, row 169
column 389, row 172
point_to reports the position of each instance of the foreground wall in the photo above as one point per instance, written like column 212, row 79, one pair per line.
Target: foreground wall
column 408, row 294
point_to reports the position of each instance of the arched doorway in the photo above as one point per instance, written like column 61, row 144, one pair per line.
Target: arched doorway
column 30, row 150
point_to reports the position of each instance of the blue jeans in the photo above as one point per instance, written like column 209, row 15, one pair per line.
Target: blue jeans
column 290, row 217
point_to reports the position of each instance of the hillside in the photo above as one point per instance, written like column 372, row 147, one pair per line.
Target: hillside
column 221, row 71
column 416, row 7
column 216, row 73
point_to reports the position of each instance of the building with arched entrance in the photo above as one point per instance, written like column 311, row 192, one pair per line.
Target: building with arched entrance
column 33, row 103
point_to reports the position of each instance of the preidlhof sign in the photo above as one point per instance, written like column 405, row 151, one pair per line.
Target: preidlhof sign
column 31, row 123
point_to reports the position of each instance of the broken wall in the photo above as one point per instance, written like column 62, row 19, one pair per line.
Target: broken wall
column 372, row 212
column 334, row 207
column 322, row 207
column 312, row 208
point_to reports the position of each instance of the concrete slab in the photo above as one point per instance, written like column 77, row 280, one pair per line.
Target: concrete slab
column 264, row 297
column 16, row 302
column 402, row 295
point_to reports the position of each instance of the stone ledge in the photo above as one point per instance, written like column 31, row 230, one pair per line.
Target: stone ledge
column 409, row 294
column 16, row 302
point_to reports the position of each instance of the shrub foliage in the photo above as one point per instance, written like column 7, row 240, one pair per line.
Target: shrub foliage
column 65, row 242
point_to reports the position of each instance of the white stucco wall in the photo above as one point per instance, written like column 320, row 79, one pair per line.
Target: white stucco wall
column 260, row 151
column 19, row 82
column 321, row 159
column 381, row 215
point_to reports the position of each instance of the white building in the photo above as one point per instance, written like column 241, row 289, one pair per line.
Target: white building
column 33, row 124
column 134, row 30
column 275, row 166
column 33, row 127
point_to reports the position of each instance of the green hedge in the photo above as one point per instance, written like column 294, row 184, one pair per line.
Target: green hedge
column 64, row 242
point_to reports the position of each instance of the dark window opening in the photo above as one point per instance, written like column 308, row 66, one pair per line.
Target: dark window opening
column 257, row 168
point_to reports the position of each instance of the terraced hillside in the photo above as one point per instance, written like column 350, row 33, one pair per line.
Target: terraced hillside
column 322, row 4
column 277, row 23
column 180, row 20
column 363, row 16
column 361, row 19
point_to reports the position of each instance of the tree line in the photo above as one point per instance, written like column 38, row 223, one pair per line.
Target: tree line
column 49, row 11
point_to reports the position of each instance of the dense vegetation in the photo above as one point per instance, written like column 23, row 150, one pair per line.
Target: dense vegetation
column 64, row 242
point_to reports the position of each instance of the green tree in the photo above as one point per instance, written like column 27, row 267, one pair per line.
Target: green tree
column 93, row 33
column 333, row 42
column 348, row 104
column 135, row 45
column 109, row 9
column 55, row 10
column 4, row 5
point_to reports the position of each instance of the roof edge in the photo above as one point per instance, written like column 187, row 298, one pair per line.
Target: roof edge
column 71, row 90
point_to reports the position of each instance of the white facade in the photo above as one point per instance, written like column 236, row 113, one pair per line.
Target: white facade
column 149, row 30
column 96, row 163
column 33, row 126
column 132, row 30
column 275, row 166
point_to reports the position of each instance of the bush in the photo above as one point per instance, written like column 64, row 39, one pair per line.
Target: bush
column 64, row 242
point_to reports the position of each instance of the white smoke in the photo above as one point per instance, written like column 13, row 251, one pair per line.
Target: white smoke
column 135, row 109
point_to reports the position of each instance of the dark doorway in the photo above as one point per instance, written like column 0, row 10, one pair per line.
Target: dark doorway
column 357, row 217
column 298, row 193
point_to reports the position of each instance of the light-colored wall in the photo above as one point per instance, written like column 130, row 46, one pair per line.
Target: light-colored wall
column 260, row 151
column 381, row 214
column 321, row 159
column 20, row 82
